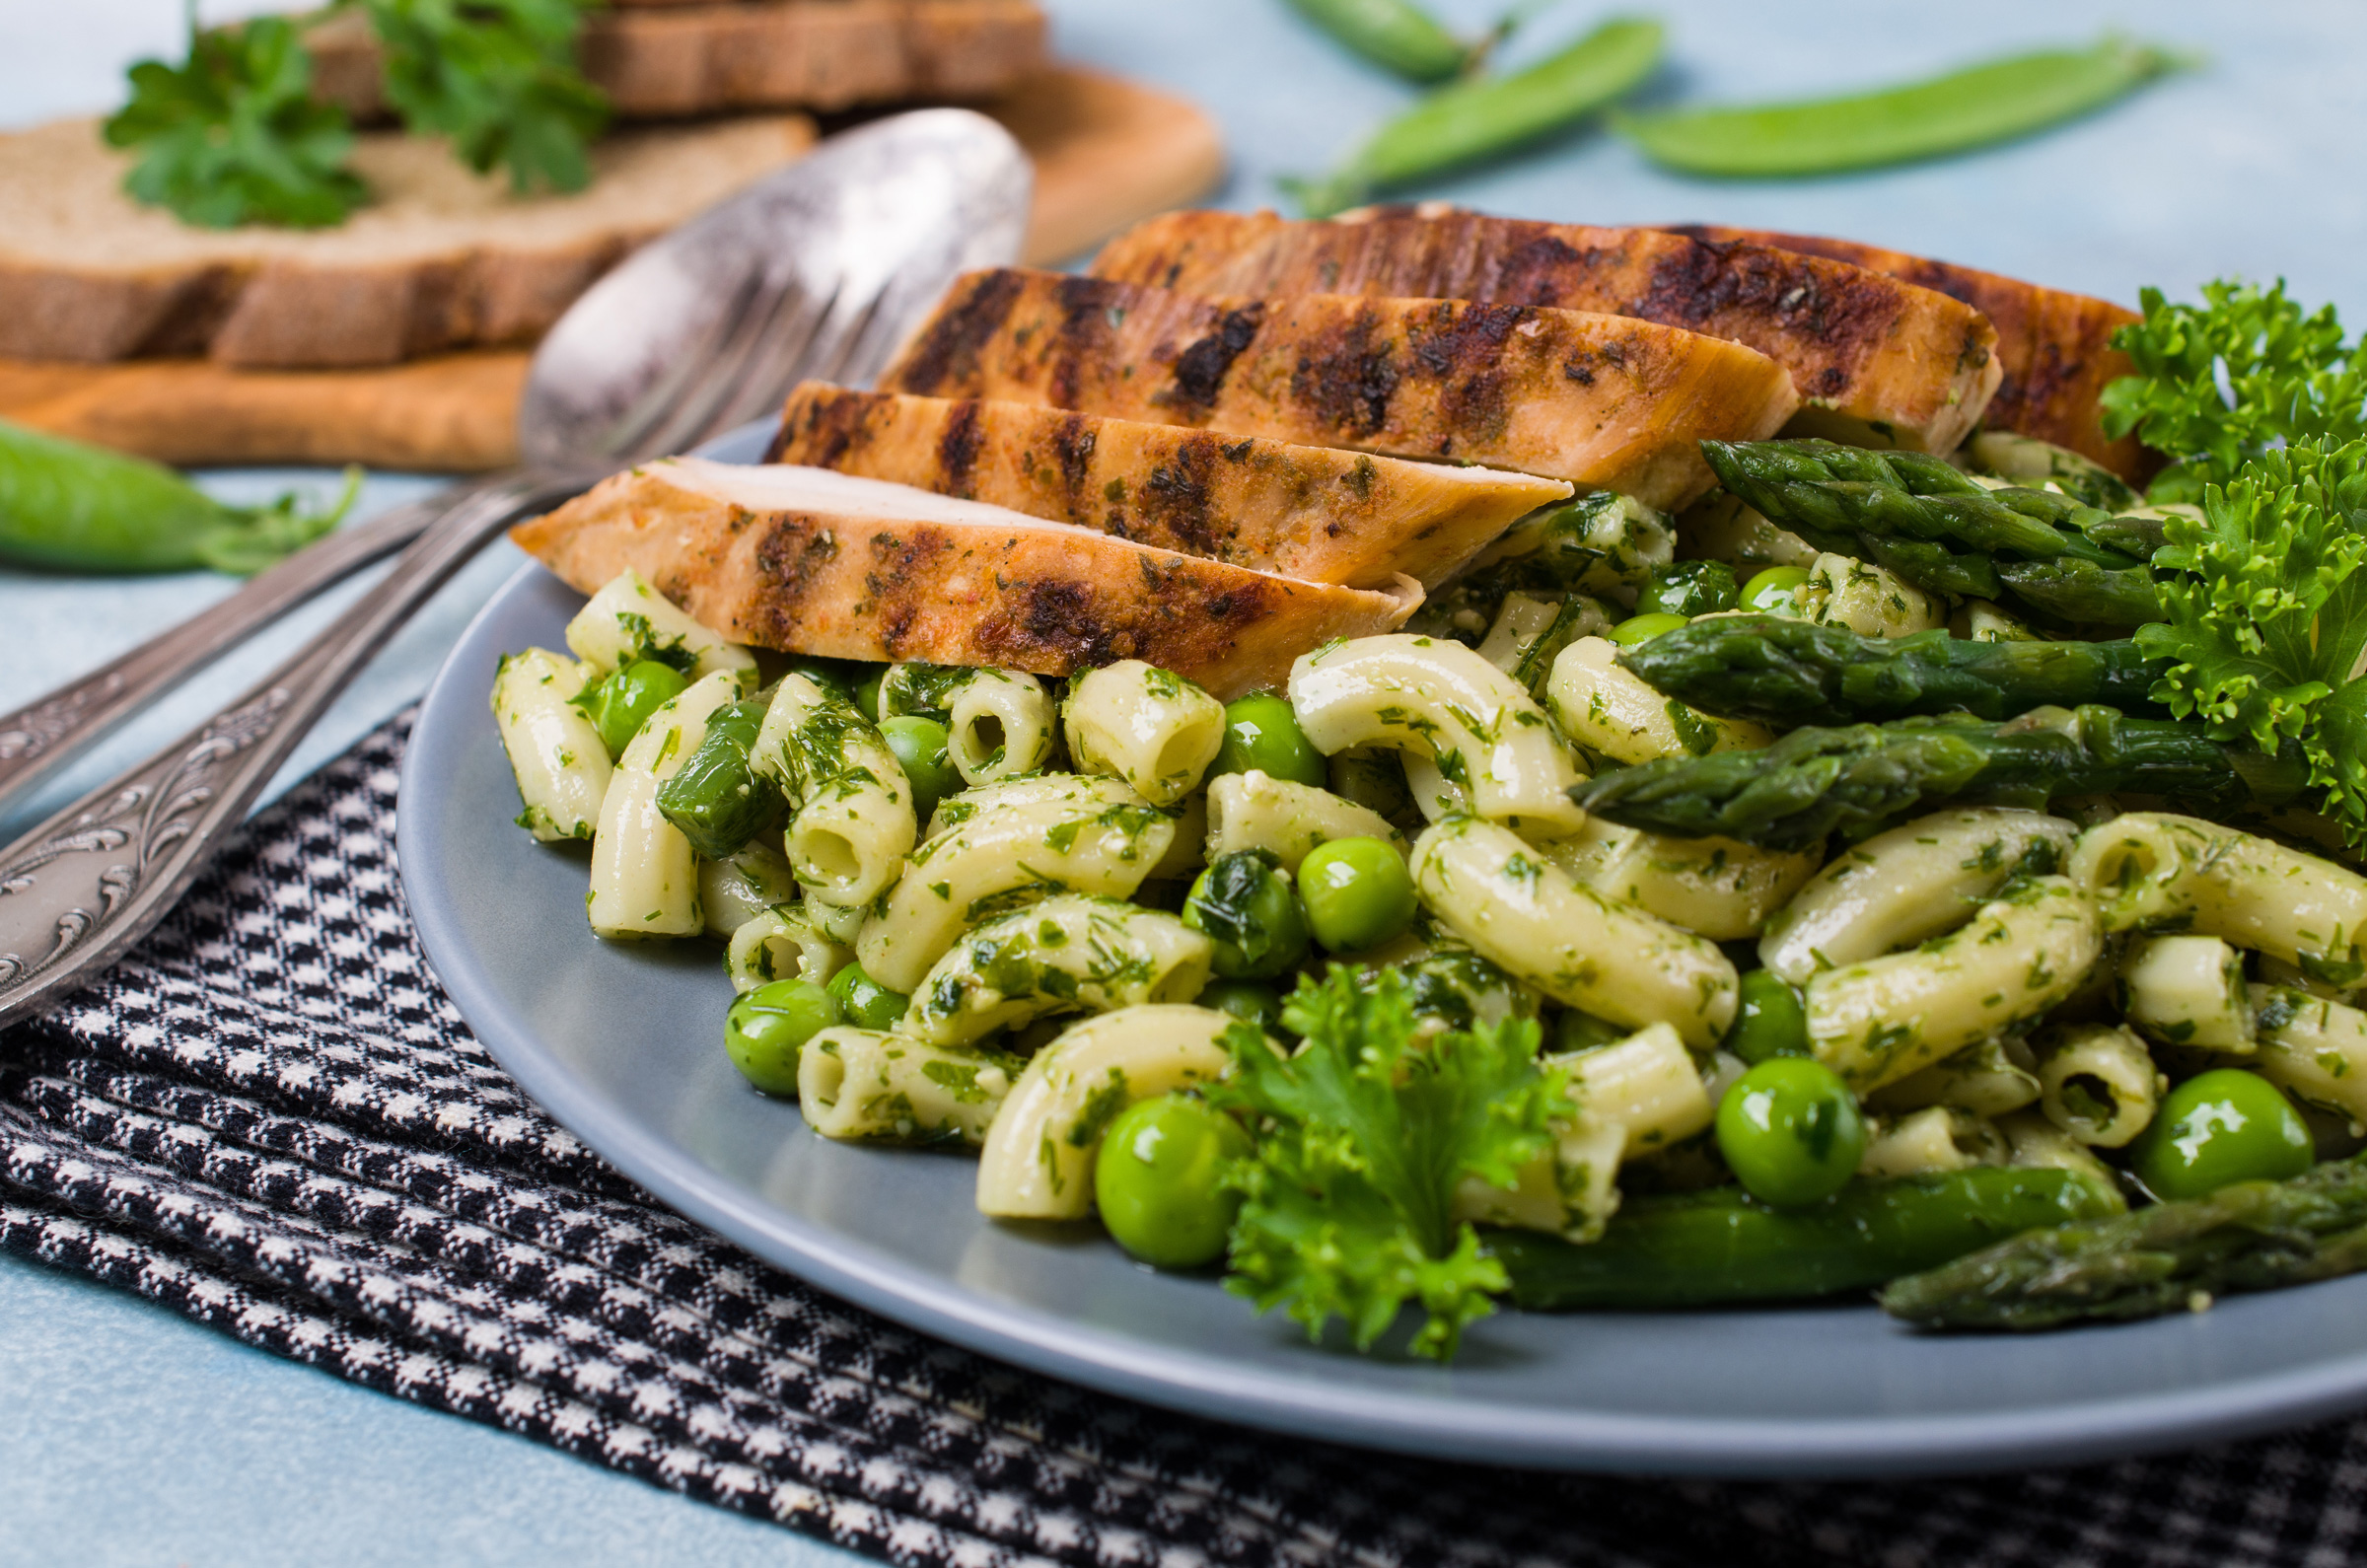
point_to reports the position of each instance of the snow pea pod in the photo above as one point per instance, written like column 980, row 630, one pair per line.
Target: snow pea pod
column 1489, row 116
column 1396, row 34
column 1973, row 107
column 76, row 508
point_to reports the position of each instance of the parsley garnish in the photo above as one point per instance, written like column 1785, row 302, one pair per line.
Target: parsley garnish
column 234, row 135
column 2240, row 375
column 496, row 76
column 1363, row 1136
column 2270, row 625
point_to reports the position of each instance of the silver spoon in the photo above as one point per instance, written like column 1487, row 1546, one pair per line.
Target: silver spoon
column 825, row 263
column 818, row 270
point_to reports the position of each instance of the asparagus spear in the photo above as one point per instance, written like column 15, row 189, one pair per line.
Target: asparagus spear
column 2251, row 1235
column 2045, row 553
column 1706, row 1248
column 1788, row 671
column 1860, row 778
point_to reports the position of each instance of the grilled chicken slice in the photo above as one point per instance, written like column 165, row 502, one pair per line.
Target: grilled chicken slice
column 1601, row 401
column 810, row 562
column 1307, row 512
column 1875, row 361
column 2055, row 347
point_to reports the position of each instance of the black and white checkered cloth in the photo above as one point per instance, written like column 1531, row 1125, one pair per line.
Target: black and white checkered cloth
column 273, row 1121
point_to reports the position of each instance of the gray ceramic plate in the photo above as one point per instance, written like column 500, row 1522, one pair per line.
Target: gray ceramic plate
column 623, row 1044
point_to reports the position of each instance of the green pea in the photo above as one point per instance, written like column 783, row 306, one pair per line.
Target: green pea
column 1243, row 904
column 1261, row 733
column 1689, row 587
column 1159, row 1180
column 2217, row 1127
column 619, row 705
column 767, row 1028
column 1993, row 102
column 1790, row 1130
column 867, row 1003
column 867, row 694
column 920, row 746
column 1773, row 588
column 1583, row 1032
column 1357, row 893
column 1260, row 1005
column 1643, row 628
column 1769, row 1020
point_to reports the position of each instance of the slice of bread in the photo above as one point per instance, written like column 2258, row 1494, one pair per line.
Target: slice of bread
column 664, row 61
column 441, row 259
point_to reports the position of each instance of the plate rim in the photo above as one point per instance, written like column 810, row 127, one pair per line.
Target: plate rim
column 1209, row 1386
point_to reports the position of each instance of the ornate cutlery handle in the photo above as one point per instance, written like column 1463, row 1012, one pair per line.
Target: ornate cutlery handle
column 46, row 733
column 84, row 885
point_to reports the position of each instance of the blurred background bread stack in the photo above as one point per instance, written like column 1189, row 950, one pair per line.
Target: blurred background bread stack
column 399, row 336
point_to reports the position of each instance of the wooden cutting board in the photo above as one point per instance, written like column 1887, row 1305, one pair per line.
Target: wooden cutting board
column 1106, row 151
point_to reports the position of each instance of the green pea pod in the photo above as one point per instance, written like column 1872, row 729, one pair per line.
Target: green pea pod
column 1491, row 115
column 1395, row 34
column 76, row 508
column 1991, row 103
column 1720, row 1247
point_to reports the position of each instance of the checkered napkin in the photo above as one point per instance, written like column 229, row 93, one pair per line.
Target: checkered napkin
column 271, row 1120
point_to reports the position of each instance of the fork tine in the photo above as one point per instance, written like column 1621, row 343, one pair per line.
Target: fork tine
column 634, row 432
column 783, row 322
column 774, row 357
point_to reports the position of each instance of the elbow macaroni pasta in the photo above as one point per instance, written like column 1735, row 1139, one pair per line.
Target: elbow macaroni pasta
column 1436, row 699
column 1145, row 725
column 1907, row 885
column 1611, row 710
column 1715, row 887
column 866, row 1084
column 999, row 847
column 1287, row 820
column 850, row 807
column 644, row 873
column 1876, row 1022
column 1037, row 1162
column 1069, row 954
column 629, row 620
column 555, row 755
column 2097, row 1083
column 2155, row 870
column 1526, row 915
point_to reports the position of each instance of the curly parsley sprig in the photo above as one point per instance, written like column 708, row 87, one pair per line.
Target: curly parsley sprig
column 233, row 135
column 2221, row 384
column 1365, row 1135
column 2265, row 612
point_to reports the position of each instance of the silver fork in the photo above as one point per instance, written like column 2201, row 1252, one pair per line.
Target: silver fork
column 817, row 271
column 811, row 273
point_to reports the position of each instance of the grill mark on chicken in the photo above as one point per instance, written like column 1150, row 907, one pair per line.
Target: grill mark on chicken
column 958, row 451
column 1593, row 399
column 1200, row 373
column 1316, row 513
column 948, row 349
column 1871, row 346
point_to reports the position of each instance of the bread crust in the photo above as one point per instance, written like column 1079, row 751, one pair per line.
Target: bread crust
column 2054, row 346
column 1873, row 360
column 1313, row 512
column 664, row 61
column 939, row 580
column 444, row 261
column 1603, row 402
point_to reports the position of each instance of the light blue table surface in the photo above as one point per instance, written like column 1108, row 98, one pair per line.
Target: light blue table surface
column 129, row 1436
